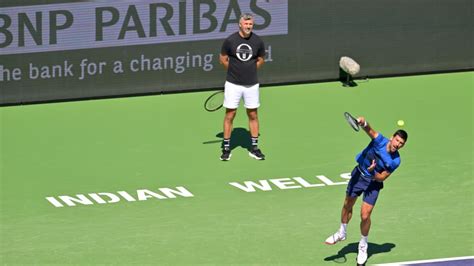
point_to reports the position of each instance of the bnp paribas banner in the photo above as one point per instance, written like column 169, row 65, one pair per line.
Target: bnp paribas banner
column 59, row 50
column 98, row 24
column 106, row 48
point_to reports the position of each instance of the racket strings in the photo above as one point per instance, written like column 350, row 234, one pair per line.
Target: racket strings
column 352, row 121
column 214, row 102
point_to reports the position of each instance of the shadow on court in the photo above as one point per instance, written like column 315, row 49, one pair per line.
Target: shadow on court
column 340, row 257
column 240, row 137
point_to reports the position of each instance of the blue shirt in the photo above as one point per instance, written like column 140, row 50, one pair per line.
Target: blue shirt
column 377, row 149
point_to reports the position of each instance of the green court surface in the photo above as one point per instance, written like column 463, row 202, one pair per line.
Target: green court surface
column 142, row 145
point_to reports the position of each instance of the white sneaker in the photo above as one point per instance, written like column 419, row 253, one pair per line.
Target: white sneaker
column 362, row 255
column 333, row 239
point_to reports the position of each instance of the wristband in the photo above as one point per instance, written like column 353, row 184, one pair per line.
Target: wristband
column 365, row 124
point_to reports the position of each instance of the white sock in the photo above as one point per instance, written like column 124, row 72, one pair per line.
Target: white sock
column 363, row 240
column 342, row 229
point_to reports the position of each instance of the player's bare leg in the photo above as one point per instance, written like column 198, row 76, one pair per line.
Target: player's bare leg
column 365, row 212
column 253, row 122
column 254, row 131
column 228, row 123
column 346, row 215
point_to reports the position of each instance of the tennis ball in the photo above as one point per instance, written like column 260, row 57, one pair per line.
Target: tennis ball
column 400, row 123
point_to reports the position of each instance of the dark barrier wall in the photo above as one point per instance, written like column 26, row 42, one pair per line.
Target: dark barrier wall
column 60, row 50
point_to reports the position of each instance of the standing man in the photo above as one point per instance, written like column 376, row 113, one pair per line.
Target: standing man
column 375, row 164
column 242, row 54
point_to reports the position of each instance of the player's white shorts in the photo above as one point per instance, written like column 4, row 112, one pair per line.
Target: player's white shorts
column 233, row 93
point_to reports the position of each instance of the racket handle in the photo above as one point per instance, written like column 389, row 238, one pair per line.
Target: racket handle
column 359, row 122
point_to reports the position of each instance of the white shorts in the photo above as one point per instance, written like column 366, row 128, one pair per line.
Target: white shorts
column 233, row 93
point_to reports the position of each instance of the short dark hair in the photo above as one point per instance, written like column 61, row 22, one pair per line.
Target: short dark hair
column 246, row 16
column 402, row 134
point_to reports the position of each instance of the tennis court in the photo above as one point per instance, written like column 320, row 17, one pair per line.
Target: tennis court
column 167, row 198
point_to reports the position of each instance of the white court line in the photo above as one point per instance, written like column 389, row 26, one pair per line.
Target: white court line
column 425, row 261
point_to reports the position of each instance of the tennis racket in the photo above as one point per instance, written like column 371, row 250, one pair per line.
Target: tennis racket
column 352, row 121
column 214, row 102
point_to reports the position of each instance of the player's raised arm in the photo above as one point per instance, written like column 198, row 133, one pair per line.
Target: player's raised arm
column 367, row 128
